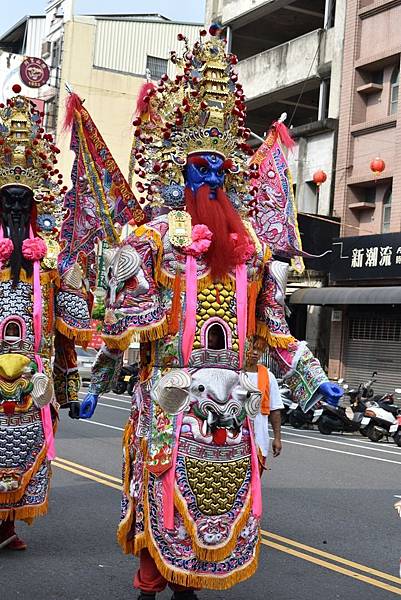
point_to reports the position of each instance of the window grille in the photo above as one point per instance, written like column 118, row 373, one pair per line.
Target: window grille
column 375, row 329
column 386, row 217
column 394, row 87
column 156, row 66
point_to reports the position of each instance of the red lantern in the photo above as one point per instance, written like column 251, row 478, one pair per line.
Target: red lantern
column 319, row 177
column 377, row 166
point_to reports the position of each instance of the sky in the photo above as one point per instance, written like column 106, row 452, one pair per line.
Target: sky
column 178, row 10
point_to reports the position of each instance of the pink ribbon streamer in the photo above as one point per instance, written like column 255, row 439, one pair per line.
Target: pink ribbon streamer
column 256, row 486
column 37, row 328
column 1, row 238
column 191, row 291
column 241, row 283
column 168, row 481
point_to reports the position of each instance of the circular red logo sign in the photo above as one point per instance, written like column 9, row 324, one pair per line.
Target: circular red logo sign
column 34, row 72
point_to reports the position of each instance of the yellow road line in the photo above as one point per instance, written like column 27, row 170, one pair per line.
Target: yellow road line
column 86, row 475
column 89, row 470
column 333, row 557
column 336, row 568
column 109, row 480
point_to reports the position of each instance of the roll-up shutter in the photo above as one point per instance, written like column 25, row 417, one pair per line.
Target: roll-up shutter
column 373, row 344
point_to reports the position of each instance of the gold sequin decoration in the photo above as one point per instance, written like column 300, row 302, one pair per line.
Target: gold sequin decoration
column 216, row 485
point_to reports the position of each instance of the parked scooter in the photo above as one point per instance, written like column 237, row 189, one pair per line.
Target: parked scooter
column 127, row 379
column 343, row 419
column 385, row 419
column 298, row 418
column 289, row 405
column 351, row 418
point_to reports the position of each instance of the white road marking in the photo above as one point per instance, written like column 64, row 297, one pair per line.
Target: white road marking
column 315, row 446
column 90, row 422
column 83, row 394
column 395, row 462
column 328, row 440
column 115, row 407
column 320, row 436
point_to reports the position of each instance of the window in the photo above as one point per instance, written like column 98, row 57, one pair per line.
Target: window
column 394, row 86
column 56, row 53
column 51, row 114
column 386, row 217
column 156, row 66
column 369, row 195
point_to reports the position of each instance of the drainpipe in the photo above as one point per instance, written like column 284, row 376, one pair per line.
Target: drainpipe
column 328, row 10
column 229, row 38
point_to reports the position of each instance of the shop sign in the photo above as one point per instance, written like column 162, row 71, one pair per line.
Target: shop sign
column 34, row 72
column 366, row 257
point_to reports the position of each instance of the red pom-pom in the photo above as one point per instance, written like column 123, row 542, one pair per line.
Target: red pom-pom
column 16, row 88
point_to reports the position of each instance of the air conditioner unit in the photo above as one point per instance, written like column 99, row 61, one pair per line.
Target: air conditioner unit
column 46, row 49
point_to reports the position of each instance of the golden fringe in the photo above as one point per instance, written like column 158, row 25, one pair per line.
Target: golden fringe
column 13, row 497
column 270, row 339
column 211, row 582
column 121, row 342
column 25, row 513
column 154, row 332
column 193, row 580
column 204, row 552
column 81, row 336
column 150, row 334
column 124, row 528
column 267, row 255
column 45, row 276
column 167, row 280
column 129, row 543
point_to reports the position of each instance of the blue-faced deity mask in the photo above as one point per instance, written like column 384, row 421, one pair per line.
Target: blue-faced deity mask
column 205, row 168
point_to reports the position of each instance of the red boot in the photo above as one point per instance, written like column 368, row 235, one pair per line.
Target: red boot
column 8, row 537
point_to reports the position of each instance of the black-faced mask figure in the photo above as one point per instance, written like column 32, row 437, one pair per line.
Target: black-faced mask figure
column 16, row 204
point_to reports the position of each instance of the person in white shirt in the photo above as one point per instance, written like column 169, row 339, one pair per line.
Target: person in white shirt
column 271, row 405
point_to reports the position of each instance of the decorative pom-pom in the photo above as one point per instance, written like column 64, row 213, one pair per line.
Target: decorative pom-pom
column 34, row 249
column 6, row 249
column 16, row 88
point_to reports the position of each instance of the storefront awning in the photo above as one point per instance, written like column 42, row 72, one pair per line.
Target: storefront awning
column 333, row 296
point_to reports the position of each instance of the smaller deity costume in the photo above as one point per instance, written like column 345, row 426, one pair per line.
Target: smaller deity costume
column 41, row 313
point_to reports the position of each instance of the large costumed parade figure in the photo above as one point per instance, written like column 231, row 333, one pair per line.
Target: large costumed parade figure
column 40, row 311
column 198, row 285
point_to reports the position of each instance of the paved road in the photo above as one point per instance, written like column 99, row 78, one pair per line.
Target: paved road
column 329, row 528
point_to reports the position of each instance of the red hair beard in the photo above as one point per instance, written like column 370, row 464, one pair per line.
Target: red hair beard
column 220, row 217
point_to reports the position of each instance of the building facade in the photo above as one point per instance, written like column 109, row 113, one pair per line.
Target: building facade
column 366, row 262
column 103, row 58
column 290, row 60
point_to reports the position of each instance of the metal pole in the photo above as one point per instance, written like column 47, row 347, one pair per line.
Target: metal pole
column 328, row 10
column 229, row 38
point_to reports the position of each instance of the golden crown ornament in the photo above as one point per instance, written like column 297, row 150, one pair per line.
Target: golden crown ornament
column 28, row 157
column 201, row 110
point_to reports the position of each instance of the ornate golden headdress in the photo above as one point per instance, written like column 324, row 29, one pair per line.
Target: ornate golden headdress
column 201, row 110
column 28, row 157
column 27, row 154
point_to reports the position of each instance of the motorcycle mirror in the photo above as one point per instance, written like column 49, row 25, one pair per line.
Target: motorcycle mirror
column 397, row 390
column 345, row 386
column 374, row 373
column 341, row 380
